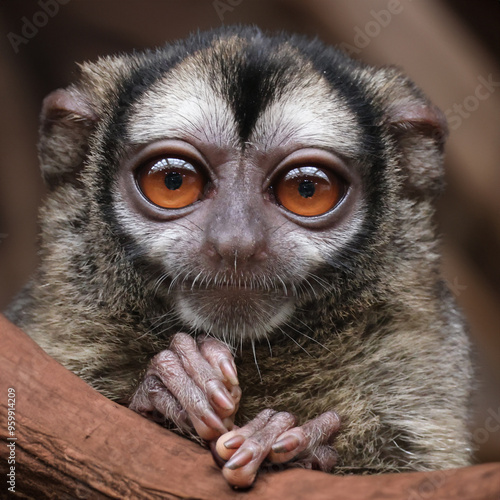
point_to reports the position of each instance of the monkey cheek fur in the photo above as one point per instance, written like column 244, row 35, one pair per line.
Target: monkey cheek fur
column 233, row 315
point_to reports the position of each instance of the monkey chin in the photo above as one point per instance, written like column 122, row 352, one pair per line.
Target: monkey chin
column 233, row 314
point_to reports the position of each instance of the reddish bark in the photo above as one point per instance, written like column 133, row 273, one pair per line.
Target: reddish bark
column 74, row 443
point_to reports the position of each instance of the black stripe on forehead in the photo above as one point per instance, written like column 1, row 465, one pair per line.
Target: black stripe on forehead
column 151, row 65
column 252, row 77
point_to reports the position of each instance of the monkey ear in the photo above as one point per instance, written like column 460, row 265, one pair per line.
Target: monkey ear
column 421, row 118
column 420, row 131
column 66, row 122
column 70, row 116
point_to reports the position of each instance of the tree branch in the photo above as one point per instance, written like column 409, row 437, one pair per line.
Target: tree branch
column 71, row 442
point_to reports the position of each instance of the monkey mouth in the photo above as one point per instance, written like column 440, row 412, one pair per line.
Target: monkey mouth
column 239, row 286
column 234, row 311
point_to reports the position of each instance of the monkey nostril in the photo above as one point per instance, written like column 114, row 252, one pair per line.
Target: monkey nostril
column 211, row 252
column 260, row 254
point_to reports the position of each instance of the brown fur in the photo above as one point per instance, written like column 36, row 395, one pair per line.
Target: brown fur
column 381, row 342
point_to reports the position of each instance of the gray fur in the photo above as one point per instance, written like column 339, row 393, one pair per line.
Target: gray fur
column 369, row 329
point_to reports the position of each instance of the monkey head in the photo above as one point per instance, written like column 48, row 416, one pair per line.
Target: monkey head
column 236, row 178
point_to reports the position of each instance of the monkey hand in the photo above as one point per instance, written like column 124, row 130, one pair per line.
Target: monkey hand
column 193, row 384
column 272, row 435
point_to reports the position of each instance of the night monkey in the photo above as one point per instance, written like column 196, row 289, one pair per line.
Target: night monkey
column 239, row 231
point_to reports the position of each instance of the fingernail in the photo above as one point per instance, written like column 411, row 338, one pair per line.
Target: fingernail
column 239, row 459
column 234, row 442
column 288, row 443
column 213, row 421
column 222, row 398
column 236, row 393
column 228, row 369
column 228, row 423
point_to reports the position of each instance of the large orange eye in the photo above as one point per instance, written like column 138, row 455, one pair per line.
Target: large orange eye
column 309, row 191
column 171, row 182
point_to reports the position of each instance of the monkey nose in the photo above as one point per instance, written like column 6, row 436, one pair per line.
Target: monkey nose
column 236, row 246
column 237, row 251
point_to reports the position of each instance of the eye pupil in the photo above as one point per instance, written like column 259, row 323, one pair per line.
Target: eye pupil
column 170, row 182
column 173, row 180
column 307, row 188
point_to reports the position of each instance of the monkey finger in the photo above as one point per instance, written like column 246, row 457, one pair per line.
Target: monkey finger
column 140, row 401
column 167, row 367
column 220, row 358
column 226, row 452
column 235, row 391
column 203, row 374
column 306, row 438
column 166, row 404
column 203, row 430
column 324, row 459
column 242, row 467
column 228, row 443
column 154, row 401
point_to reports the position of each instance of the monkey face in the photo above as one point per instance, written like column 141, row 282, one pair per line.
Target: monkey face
column 236, row 249
column 239, row 224
column 252, row 174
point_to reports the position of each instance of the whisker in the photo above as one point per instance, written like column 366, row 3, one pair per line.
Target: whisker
column 293, row 340
column 255, row 359
column 307, row 336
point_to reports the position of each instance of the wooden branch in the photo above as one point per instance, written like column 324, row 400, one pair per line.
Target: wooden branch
column 71, row 442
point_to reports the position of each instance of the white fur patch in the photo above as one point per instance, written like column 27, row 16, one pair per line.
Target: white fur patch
column 311, row 114
column 183, row 105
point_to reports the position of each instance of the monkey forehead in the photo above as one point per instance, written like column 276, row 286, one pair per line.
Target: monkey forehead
column 311, row 113
column 183, row 105
column 211, row 97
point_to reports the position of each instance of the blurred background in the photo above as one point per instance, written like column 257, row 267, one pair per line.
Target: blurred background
column 449, row 47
